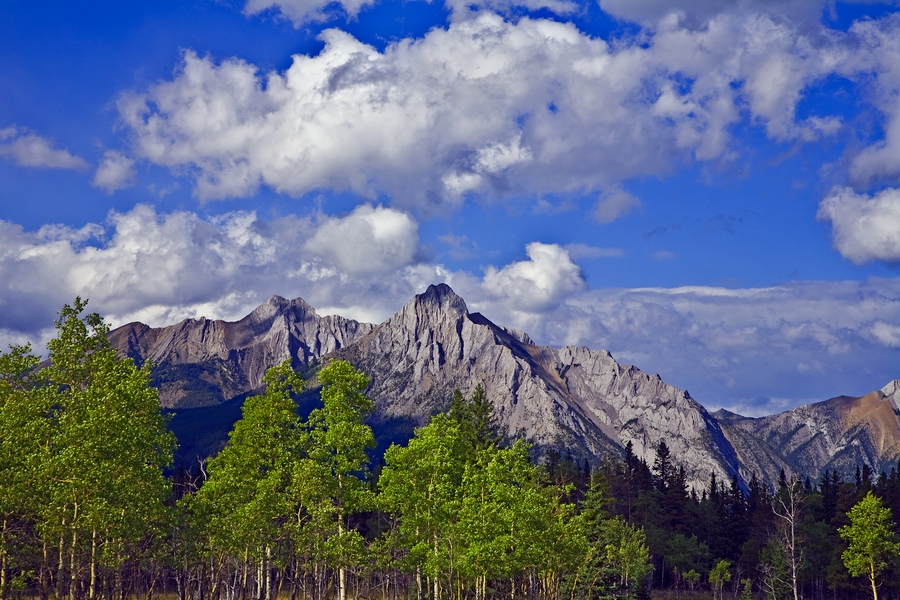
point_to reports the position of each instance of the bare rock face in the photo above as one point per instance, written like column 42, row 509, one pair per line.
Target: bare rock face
column 837, row 434
column 642, row 409
column 570, row 399
column 434, row 345
column 200, row 362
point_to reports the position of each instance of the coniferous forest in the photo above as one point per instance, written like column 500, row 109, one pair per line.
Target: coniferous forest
column 296, row 507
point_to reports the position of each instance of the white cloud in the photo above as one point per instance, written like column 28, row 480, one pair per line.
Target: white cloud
column 875, row 64
column 801, row 340
column 864, row 228
column 27, row 149
column 116, row 172
column 887, row 333
column 484, row 107
column 142, row 265
column 538, row 284
column 615, row 203
column 367, row 241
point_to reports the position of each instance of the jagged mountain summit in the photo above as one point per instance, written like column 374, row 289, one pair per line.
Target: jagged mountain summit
column 570, row 399
column 837, row 434
column 200, row 362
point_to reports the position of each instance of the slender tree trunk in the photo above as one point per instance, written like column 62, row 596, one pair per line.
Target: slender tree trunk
column 119, row 586
column 268, row 573
column 872, row 581
column 418, row 582
column 44, row 583
column 259, row 580
column 3, row 561
column 73, row 571
column 244, row 577
column 92, row 589
column 342, row 572
column 61, row 565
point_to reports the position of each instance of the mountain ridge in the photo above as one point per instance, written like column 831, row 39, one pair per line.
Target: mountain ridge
column 570, row 399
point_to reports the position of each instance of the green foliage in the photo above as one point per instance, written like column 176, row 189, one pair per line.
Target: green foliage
column 747, row 590
column 109, row 441
column 691, row 577
column 684, row 554
column 871, row 541
column 24, row 433
column 245, row 502
column 775, row 570
column 617, row 561
column 470, row 511
column 720, row 575
column 422, row 484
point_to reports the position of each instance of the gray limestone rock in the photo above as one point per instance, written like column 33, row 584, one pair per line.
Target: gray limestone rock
column 569, row 399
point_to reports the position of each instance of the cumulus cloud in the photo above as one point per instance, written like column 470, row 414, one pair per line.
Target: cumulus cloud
column 160, row 268
column 367, row 241
column 116, row 172
column 887, row 333
column 864, row 228
column 484, row 107
column 875, row 60
column 27, row 149
column 537, row 284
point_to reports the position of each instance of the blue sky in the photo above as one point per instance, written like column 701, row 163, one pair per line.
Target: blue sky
column 708, row 189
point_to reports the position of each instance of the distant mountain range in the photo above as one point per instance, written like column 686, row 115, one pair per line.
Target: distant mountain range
column 570, row 399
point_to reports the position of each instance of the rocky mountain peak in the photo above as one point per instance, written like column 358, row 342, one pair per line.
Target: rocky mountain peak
column 437, row 308
column 442, row 298
column 892, row 392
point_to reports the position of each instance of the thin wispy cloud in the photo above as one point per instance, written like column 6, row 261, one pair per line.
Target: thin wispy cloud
column 28, row 149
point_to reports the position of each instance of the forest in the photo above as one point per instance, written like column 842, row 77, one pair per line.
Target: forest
column 296, row 507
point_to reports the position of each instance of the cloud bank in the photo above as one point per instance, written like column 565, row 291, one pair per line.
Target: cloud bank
column 494, row 108
column 162, row 267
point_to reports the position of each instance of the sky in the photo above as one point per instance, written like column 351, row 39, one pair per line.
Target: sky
column 709, row 189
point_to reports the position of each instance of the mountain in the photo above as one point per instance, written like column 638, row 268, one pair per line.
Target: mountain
column 570, row 399
column 200, row 362
column 837, row 434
